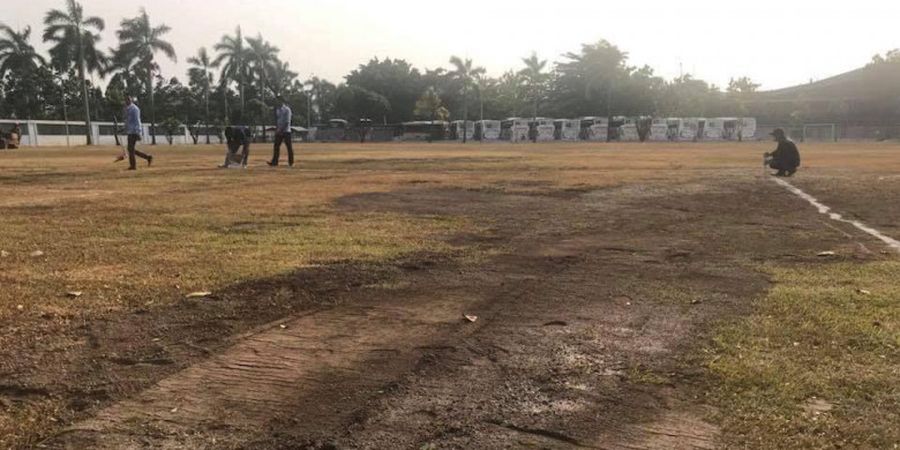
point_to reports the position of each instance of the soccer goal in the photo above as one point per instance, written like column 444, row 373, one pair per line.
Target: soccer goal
column 820, row 132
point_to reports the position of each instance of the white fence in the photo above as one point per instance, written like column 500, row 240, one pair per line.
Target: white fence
column 46, row 133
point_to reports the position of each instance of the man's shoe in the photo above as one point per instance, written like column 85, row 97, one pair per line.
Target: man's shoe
column 149, row 160
column 119, row 158
column 132, row 168
column 271, row 164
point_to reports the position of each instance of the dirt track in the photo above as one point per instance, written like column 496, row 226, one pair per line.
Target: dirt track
column 585, row 312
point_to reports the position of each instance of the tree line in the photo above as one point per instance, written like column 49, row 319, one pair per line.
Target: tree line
column 238, row 78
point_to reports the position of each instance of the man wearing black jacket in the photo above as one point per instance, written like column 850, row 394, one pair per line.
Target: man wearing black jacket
column 786, row 158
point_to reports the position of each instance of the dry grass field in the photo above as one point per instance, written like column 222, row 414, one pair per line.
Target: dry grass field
column 627, row 296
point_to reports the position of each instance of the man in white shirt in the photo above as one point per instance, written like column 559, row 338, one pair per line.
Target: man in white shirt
column 282, row 133
column 134, row 131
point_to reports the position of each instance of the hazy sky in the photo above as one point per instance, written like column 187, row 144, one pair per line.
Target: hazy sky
column 777, row 43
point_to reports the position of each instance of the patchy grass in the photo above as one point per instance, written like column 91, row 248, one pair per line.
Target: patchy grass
column 139, row 241
column 818, row 364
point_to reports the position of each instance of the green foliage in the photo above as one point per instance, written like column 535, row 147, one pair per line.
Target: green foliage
column 430, row 107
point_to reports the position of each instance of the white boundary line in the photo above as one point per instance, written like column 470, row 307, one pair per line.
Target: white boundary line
column 891, row 242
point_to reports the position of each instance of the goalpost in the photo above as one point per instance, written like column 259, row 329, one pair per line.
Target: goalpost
column 820, row 132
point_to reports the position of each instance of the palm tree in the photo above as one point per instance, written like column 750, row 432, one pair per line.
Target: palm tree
column 262, row 57
column 202, row 71
column 76, row 37
column 138, row 43
column 429, row 105
column 464, row 72
column 283, row 78
column 17, row 56
column 535, row 79
column 234, row 56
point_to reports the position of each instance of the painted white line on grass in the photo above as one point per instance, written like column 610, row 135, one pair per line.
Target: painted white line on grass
column 891, row 242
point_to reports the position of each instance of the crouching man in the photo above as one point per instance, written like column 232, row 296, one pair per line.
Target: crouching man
column 786, row 158
column 237, row 138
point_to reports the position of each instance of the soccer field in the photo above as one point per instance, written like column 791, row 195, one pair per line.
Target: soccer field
column 619, row 296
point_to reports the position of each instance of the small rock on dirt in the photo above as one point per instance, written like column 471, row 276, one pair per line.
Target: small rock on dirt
column 36, row 254
column 201, row 294
column 74, row 294
column 470, row 318
column 4, row 254
column 826, row 254
column 864, row 291
column 816, row 406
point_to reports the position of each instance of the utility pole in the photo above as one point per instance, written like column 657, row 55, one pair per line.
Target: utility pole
column 62, row 91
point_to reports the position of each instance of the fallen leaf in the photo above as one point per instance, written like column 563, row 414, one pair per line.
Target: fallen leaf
column 37, row 254
column 74, row 294
column 201, row 294
column 283, row 326
column 696, row 301
column 828, row 253
column 864, row 291
column 470, row 318
column 174, row 410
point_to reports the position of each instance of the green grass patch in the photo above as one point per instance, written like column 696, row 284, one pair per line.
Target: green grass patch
column 817, row 364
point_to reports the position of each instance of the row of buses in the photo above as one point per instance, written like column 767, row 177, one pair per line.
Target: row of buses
column 597, row 129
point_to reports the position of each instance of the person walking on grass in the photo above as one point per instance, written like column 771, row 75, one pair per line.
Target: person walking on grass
column 786, row 158
column 282, row 133
column 134, row 131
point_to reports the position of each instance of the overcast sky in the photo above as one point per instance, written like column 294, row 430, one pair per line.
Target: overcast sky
column 777, row 43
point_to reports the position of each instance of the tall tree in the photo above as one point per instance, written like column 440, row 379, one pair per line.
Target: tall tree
column 17, row 55
column 464, row 73
column 19, row 59
column 535, row 79
column 139, row 41
column 281, row 78
column 201, row 72
column 395, row 79
column 586, row 80
column 742, row 85
column 75, row 39
column 233, row 55
column 323, row 93
column 430, row 106
column 262, row 57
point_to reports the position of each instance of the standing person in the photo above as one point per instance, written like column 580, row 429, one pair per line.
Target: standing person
column 134, row 131
column 786, row 158
column 282, row 133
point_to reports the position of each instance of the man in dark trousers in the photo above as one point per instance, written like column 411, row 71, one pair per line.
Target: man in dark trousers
column 282, row 133
column 134, row 131
column 237, row 138
column 786, row 158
